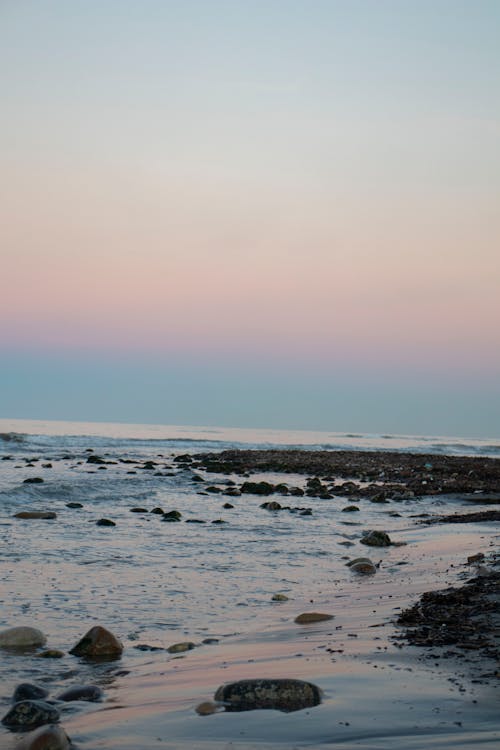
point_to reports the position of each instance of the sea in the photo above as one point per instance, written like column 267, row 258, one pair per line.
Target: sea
column 211, row 582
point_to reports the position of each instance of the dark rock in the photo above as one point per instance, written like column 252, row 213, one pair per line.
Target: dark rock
column 195, row 520
column 280, row 694
column 219, row 521
column 257, row 488
column 91, row 693
column 228, row 506
column 350, row 509
column 74, row 505
column 36, row 514
column 179, row 648
column 376, row 539
column 28, row 691
column 30, row 713
column 158, row 511
column 33, row 480
column 272, row 505
column 105, row 522
column 51, row 653
column 213, row 490
column 172, row 515
column 183, row 459
column 93, row 459
column 139, row 510
column 98, row 643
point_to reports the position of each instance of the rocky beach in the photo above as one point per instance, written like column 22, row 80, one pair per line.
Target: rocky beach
column 169, row 596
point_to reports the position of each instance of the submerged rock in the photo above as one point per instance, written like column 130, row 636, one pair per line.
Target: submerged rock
column 51, row 653
column 280, row 694
column 272, row 505
column 257, row 488
column 49, row 737
column 22, row 637
column 30, row 713
column 28, row 691
column 279, row 598
column 179, row 648
column 98, row 643
column 45, row 514
column 376, row 539
column 307, row 617
column 90, row 693
column 105, row 522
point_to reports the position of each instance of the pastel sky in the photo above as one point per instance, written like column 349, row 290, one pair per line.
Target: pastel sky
column 273, row 213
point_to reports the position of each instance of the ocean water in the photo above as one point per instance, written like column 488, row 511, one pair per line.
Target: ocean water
column 155, row 583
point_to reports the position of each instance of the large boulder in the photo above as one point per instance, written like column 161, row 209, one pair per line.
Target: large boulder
column 30, row 714
column 22, row 637
column 281, row 694
column 98, row 643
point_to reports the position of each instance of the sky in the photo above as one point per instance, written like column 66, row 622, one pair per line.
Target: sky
column 279, row 213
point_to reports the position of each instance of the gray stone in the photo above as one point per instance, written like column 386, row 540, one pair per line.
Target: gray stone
column 90, row 693
column 28, row 691
column 22, row 637
column 376, row 539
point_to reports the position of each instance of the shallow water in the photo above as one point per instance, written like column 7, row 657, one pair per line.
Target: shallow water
column 157, row 583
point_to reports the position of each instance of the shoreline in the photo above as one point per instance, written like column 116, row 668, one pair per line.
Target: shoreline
column 377, row 689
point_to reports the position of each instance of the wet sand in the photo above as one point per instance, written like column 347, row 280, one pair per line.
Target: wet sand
column 379, row 690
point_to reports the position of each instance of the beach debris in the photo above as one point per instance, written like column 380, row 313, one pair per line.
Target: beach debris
column 51, row 653
column 22, row 637
column 30, row 713
column 280, row 694
column 179, row 648
column 28, row 691
column 48, row 737
column 45, row 514
column 376, row 539
column 307, row 617
column 105, row 522
column 279, row 598
column 98, row 643
column 91, row 693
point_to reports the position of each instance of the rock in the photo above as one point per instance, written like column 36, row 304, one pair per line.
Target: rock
column 195, row 520
column 49, row 737
column 33, row 480
column 179, row 648
column 271, row 505
column 158, row 511
column 172, row 515
column 257, row 488
column 95, row 460
column 475, row 558
column 363, row 566
column 307, row 617
column 45, row 514
column 98, row 643
column 90, row 693
column 139, row 510
column 350, row 509
column 376, row 539
column 228, row 506
column 219, row 521
column 28, row 691
column 22, row 637
column 30, row 713
column 105, row 522
column 279, row 598
column 280, row 694
column 74, row 505
column 206, row 708
column 51, row 653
